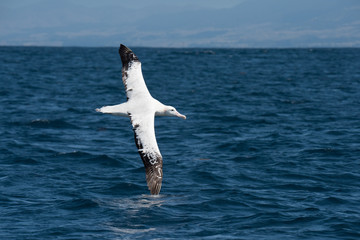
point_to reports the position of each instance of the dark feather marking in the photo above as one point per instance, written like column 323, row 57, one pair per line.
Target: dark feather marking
column 127, row 58
column 153, row 165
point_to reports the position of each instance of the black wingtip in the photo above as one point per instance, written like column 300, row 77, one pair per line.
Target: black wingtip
column 127, row 55
column 154, row 180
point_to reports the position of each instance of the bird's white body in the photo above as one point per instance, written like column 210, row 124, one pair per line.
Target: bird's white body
column 148, row 105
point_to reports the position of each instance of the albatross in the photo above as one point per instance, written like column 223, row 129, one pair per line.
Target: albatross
column 141, row 108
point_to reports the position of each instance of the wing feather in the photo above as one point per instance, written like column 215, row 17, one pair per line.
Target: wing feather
column 144, row 133
column 131, row 73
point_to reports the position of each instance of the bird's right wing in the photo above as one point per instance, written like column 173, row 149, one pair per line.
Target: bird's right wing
column 132, row 74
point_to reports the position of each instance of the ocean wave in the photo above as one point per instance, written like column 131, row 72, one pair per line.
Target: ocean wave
column 86, row 157
column 46, row 123
column 43, row 123
column 13, row 158
column 77, row 204
column 125, row 188
column 25, row 160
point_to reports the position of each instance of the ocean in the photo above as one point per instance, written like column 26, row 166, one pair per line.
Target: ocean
column 270, row 148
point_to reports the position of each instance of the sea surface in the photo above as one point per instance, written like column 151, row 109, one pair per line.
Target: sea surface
column 270, row 148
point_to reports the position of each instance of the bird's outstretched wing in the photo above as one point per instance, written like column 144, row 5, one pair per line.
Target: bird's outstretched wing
column 131, row 74
column 144, row 131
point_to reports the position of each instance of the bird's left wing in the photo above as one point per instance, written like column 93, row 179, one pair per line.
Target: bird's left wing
column 144, row 132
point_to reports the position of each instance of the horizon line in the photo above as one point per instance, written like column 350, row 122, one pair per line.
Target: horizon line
column 198, row 47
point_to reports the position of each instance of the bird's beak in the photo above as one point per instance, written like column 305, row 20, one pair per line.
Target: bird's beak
column 180, row 115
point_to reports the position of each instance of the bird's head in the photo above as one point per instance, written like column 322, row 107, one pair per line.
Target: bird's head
column 171, row 111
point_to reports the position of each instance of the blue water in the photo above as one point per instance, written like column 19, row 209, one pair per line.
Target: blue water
column 270, row 148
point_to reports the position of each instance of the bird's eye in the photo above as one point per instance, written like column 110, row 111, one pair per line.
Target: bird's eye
column 172, row 110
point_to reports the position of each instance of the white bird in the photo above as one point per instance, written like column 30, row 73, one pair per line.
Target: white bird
column 142, row 108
